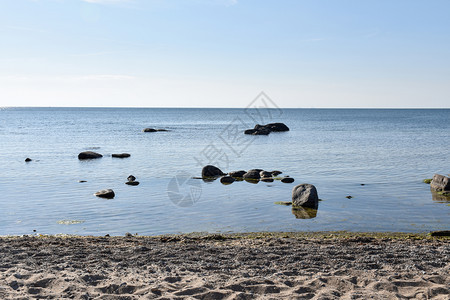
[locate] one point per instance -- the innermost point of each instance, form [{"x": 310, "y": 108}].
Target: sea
[{"x": 368, "y": 166}]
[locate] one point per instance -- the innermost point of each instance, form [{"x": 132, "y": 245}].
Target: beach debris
[
  {"x": 227, "y": 180},
  {"x": 121, "y": 155},
  {"x": 305, "y": 195},
  {"x": 211, "y": 171},
  {"x": 132, "y": 180},
  {"x": 28, "y": 159},
  {"x": 267, "y": 129},
  {"x": 440, "y": 183},
  {"x": 108, "y": 193},
  {"x": 287, "y": 180},
  {"x": 89, "y": 155}
]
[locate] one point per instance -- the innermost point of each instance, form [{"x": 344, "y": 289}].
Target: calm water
[{"x": 389, "y": 151}]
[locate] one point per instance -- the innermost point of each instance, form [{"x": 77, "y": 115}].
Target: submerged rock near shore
[
  {"x": 211, "y": 171},
  {"x": 108, "y": 194}
]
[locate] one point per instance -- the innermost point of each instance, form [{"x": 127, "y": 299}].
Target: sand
[{"x": 254, "y": 266}]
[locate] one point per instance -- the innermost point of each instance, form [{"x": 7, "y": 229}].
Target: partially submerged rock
[
  {"x": 28, "y": 159},
  {"x": 252, "y": 174},
  {"x": 237, "y": 173},
  {"x": 266, "y": 129},
  {"x": 131, "y": 178},
  {"x": 108, "y": 193},
  {"x": 121, "y": 155},
  {"x": 287, "y": 180},
  {"x": 227, "y": 180},
  {"x": 211, "y": 171},
  {"x": 132, "y": 182},
  {"x": 149, "y": 130},
  {"x": 89, "y": 155},
  {"x": 440, "y": 183},
  {"x": 305, "y": 195}
]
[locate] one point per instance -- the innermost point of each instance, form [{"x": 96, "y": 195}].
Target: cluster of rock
[
  {"x": 267, "y": 129},
  {"x": 94, "y": 155},
  {"x": 210, "y": 173}
]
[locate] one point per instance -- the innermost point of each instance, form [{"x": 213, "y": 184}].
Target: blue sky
[{"x": 223, "y": 53}]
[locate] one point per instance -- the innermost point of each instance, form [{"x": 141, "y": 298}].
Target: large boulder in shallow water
[
  {"x": 237, "y": 173},
  {"x": 305, "y": 195},
  {"x": 89, "y": 155},
  {"x": 149, "y": 130},
  {"x": 211, "y": 171},
  {"x": 440, "y": 183}
]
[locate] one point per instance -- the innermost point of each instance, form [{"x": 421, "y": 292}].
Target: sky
[{"x": 223, "y": 53}]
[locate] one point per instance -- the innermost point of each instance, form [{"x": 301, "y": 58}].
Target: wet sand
[{"x": 249, "y": 266}]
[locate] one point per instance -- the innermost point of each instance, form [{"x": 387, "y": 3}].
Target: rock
[
  {"x": 252, "y": 175},
  {"x": 121, "y": 155},
  {"x": 305, "y": 195},
  {"x": 440, "y": 233},
  {"x": 82, "y": 181},
  {"x": 349, "y": 197},
  {"x": 161, "y": 130},
  {"x": 265, "y": 174},
  {"x": 149, "y": 130},
  {"x": 132, "y": 182},
  {"x": 266, "y": 129},
  {"x": 28, "y": 159},
  {"x": 277, "y": 127},
  {"x": 131, "y": 178},
  {"x": 227, "y": 180},
  {"x": 89, "y": 155},
  {"x": 276, "y": 173},
  {"x": 440, "y": 183},
  {"x": 267, "y": 179},
  {"x": 211, "y": 171},
  {"x": 109, "y": 194},
  {"x": 287, "y": 180},
  {"x": 237, "y": 173}
]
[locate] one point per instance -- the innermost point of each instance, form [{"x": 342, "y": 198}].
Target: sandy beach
[{"x": 250, "y": 266}]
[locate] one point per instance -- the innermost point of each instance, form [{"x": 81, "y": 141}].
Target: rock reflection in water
[
  {"x": 439, "y": 197},
  {"x": 304, "y": 212}
]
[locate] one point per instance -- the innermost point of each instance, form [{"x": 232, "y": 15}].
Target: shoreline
[{"x": 268, "y": 265}]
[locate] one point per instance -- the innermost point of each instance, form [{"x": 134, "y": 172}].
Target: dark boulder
[
  {"x": 261, "y": 131},
  {"x": 132, "y": 182},
  {"x": 276, "y": 173},
  {"x": 109, "y": 194},
  {"x": 305, "y": 195},
  {"x": 89, "y": 155},
  {"x": 28, "y": 159},
  {"x": 211, "y": 171},
  {"x": 277, "y": 127},
  {"x": 440, "y": 183},
  {"x": 227, "y": 180},
  {"x": 252, "y": 175},
  {"x": 265, "y": 174},
  {"x": 237, "y": 173},
  {"x": 149, "y": 130},
  {"x": 250, "y": 131},
  {"x": 287, "y": 180},
  {"x": 267, "y": 179},
  {"x": 131, "y": 178},
  {"x": 121, "y": 155}
]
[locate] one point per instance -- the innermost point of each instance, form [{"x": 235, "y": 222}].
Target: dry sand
[{"x": 262, "y": 266}]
